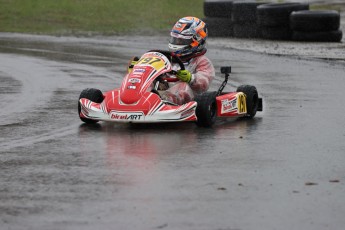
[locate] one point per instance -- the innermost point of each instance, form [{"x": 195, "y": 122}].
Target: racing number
[
  {"x": 241, "y": 100},
  {"x": 155, "y": 62},
  {"x": 149, "y": 60}
]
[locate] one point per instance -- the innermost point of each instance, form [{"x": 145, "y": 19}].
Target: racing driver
[{"x": 188, "y": 41}]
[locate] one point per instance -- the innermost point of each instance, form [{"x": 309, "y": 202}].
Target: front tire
[
  {"x": 94, "y": 95},
  {"x": 252, "y": 99},
  {"x": 206, "y": 110}
]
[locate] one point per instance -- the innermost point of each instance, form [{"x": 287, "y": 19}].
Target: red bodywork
[
  {"x": 134, "y": 101},
  {"x": 137, "y": 102}
]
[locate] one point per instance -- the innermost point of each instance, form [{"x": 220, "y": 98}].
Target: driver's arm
[{"x": 202, "y": 74}]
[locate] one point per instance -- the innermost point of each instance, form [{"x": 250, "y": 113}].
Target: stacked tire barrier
[
  {"x": 218, "y": 18},
  {"x": 322, "y": 26},
  {"x": 274, "y": 21},
  {"x": 243, "y": 18}
]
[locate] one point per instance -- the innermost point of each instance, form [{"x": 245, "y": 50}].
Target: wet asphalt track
[{"x": 282, "y": 170}]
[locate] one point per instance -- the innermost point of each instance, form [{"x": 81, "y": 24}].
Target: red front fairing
[
  {"x": 113, "y": 102},
  {"x": 141, "y": 78},
  {"x": 134, "y": 101},
  {"x": 135, "y": 84},
  {"x": 149, "y": 109}
]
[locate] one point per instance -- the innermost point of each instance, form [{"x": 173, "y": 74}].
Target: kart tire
[
  {"x": 276, "y": 33},
  {"x": 315, "y": 21},
  {"x": 323, "y": 36},
  {"x": 206, "y": 110},
  {"x": 246, "y": 31},
  {"x": 278, "y": 14},
  {"x": 218, "y": 8},
  {"x": 94, "y": 95},
  {"x": 244, "y": 12},
  {"x": 252, "y": 99},
  {"x": 219, "y": 27}
]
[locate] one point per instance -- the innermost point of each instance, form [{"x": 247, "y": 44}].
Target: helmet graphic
[{"x": 188, "y": 37}]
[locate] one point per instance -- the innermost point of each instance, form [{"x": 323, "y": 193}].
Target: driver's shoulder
[{"x": 201, "y": 61}]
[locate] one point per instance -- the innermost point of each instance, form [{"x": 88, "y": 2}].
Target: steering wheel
[{"x": 174, "y": 59}]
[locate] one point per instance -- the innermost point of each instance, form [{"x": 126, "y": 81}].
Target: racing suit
[{"x": 202, "y": 71}]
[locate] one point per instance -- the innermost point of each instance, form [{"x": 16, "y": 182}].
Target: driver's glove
[
  {"x": 131, "y": 63},
  {"x": 184, "y": 75}
]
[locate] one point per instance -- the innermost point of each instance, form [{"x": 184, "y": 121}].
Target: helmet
[{"x": 188, "y": 37}]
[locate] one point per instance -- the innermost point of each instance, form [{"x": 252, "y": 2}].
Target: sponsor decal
[
  {"x": 187, "y": 113},
  {"x": 139, "y": 76},
  {"x": 157, "y": 54},
  {"x": 126, "y": 116},
  {"x": 242, "y": 106},
  {"x": 134, "y": 80},
  {"x": 229, "y": 105},
  {"x": 139, "y": 70},
  {"x": 131, "y": 87}
]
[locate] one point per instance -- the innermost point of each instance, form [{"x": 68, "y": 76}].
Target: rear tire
[
  {"x": 252, "y": 99},
  {"x": 206, "y": 110},
  {"x": 94, "y": 95}
]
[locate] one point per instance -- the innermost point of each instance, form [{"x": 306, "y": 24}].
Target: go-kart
[{"x": 138, "y": 100}]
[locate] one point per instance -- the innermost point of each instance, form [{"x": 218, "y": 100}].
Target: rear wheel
[
  {"x": 94, "y": 95},
  {"x": 252, "y": 99},
  {"x": 206, "y": 110}
]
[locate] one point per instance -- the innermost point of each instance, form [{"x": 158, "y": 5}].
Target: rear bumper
[{"x": 260, "y": 106}]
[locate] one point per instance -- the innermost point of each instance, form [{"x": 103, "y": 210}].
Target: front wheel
[
  {"x": 206, "y": 110},
  {"x": 252, "y": 99},
  {"x": 94, "y": 95}
]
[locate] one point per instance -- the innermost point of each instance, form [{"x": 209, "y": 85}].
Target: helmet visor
[{"x": 180, "y": 41}]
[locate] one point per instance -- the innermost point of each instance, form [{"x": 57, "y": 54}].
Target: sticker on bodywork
[
  {"x": 237, "y": 104},
  {"x": 126, "y": 116},
  {"x": 241, "y": 103},
  {"x": 228, "y": 105}
]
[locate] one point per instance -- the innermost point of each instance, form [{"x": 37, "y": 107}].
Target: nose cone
[{"x": 130, "y": 96}]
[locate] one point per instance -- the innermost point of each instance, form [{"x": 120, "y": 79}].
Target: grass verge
[{"x": 101, "y": 16}]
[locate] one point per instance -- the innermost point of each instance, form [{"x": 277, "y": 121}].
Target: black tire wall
[
  {"x": 243, "y": 18},
  {"x": 244, "y": 12},
  {"x": 218, "y": 8},
  {"x": 278, "y": 14},
  {"x": 316, "y": 26},
  {"x": 322, "y": 36},
  {"x": 219, "y": 27},
  {"x": 273, "y": 21},
  {"x": 315, "y": 21},
  {"x": 218, "y": 17}
]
